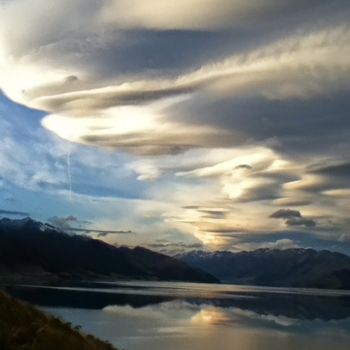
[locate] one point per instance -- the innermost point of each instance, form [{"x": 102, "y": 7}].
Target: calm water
[{"x": 186, "y": 316}]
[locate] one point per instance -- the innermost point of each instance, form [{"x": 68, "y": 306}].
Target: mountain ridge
[
  {"x": 294, "y": 267},
  {"x": 30, "y": 248}
]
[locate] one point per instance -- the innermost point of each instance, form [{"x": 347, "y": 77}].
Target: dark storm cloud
[
  {"x": 301, "y": 222},
  {"x": 336, "y": 170},
  {"x": 285, "y": 214},
  {"x": 155, "y": 52},
  {"x": 243, "y": 166},
  {"x": 71, "y": 79},
  {"x": 265, "y": 191},
  {"x": 214, "y": 214},
  {"x": 293, "y": 218},
  {"x": 168, "y": 52},
  {"x": 294, "y": 125}
]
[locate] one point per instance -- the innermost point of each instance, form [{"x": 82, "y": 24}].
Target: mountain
[
  {"x": 30, "y": 249},
  {"x": 272, "y": 267},
  {"x": 24, "y": 327}
]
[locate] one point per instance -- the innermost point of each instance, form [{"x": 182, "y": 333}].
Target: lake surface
[{"x": 188, "y": 316}]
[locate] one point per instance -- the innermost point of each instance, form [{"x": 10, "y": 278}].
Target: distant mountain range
[
  {"x": 33, "y": 251},
  {"x": 30, "y": 250},
  {"x": 271, "y": 267}
]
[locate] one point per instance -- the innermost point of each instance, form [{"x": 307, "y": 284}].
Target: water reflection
[
  {"x": 189, "y": 317},
  {"x": 323, "y": 305}
]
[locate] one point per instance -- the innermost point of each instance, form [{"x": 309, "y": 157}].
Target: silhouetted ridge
[
  {"x": 24, "y": 327},
  {"x": 30, "y": 248}
]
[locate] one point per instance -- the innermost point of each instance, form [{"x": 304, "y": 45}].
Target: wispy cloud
[
  {"x": 68, "y": 224},
  {"x": 4, "y": 212}
]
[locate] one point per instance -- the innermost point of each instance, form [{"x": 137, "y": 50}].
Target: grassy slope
[{"x": 22, "y": 327}]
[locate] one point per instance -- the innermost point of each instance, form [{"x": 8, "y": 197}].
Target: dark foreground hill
[
  {"x": 272, "y": 267},
  {"x": 30, "y": 249},
  {"x": 22, "y": 327}
]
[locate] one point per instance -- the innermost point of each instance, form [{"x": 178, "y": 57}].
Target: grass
[{"x": 23, "y": 327}]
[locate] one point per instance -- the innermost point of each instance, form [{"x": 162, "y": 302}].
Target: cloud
[
  {"x": 336, "y": 170},
  {"x": 280, "y": 244},
  {"x": 273, "y": 72},
  {"x": 173, "y": 248},
  {"x": 67, "y": 224},
  {"x": 193, "y": 14},
  {"x": 285, "y": 214},
  {"x": 91, "y": 102},
  {"x": 301, "y": 222},
  {"x": 102, "y": 233},
  {"x": 237, "y": 109},
  {"x": 293, "y": 218},
  {"x": 63, "y": 223},
  {"x": 13, "y": 212},
  {"x": 243, "y": 166},
  {"x": 213, "y": 213}
]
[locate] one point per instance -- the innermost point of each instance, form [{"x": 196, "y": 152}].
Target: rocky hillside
[{"x": 22, "y": 327}]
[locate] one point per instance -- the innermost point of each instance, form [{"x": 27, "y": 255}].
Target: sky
[{"x": 178, "y": 125}]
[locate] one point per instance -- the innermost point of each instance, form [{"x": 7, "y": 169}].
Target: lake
[{"x": 188, "y": 316}]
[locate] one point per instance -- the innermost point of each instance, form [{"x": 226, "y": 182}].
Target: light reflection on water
[{"x": 183, "y": 316}]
